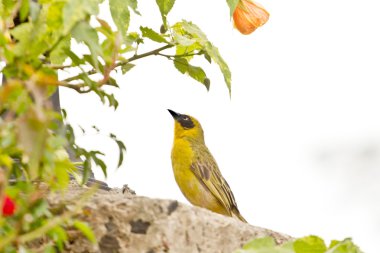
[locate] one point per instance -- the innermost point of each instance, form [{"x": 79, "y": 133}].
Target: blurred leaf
[
  {"x": 77, "y": 10},
  {"x": 59, "y": 235},
  {"x": 61, "y": 174},
  {"x": 58, "y": 54},
  {"x": 309, "y": 244},
  {"x": 122, "y": 149},
  {"x": 24, "y": 10},
  {"x": 120, "y": 15},
  {"x": 127, "y": 67},
  {"x": 96, "y": 64},
  {"x": 232, "y": 4},
  {"x": 86, "y": 230},
  {"x": 76, "y": 60},
  {"x": 100, "y": 163},
  {"x": 83, "y": 32},
  {"x": 345, "y": 246},
  {"x": 183, "y": 40},
  {"x": 32, "y": 134},
  {"x": 149, "y": 33},
  {"x": 265, "y": 245},
  {"x": 265, "y": 242},
  {"x": 5, "y": 160},
  {"x": 165, "y": 6}
]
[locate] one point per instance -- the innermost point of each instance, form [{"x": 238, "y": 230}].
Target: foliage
[
  {"x": 308, "y": 244},
  {"x": 37, "y": 41}
]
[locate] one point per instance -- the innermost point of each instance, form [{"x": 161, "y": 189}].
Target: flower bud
[{"x": 248, "y": 16}]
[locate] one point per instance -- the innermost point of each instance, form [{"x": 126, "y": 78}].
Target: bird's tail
[{"x": 236, "y": 213}]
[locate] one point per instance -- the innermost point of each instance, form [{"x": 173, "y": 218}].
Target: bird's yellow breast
[{"x": 191, "y": 187}]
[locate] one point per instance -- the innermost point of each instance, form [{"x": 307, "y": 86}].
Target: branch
[{"x": 122, "y": 63}]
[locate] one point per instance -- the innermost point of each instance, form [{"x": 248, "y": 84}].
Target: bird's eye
[{"x": 185, "y": 118}]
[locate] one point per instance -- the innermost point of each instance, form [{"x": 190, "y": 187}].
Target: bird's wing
[{"x": 206, "y": 170}]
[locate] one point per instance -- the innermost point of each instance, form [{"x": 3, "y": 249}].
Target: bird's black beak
[{"x": 174, "y": 114}]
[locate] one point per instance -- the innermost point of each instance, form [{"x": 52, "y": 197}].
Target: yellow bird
[{"x": 196, "y": 171}]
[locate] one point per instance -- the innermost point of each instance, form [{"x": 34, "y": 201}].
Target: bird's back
[{"x": 200, "y": 179}]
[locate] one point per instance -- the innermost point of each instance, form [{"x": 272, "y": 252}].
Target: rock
[{"x": 124, "y": 222}]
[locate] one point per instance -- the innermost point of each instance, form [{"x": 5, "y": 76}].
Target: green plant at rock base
[
  {"x": 308, "y": 244},
  {"x": 38, "y": 40}
]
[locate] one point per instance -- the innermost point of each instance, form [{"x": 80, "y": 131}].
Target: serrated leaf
[
  {"x": 86, "y": 230},
  {"x": 259, "y": 243},
  {"x": 232, "y": 4},
  {"x": 151, "y": 34},
  {"x": 165, "y": 6},
  {"x": 196, "y": 73},
  {"x": 309, "y": 244},
  {"x": 83, "y": 32}
]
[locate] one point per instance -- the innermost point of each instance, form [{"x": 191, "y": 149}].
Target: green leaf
[
  {"x": 76, "y": 61},
  {"x": 183, "y": 40},
  {"x": 265, "y": 245},
  {"x": 86, "y": 230},
  {"x": 24, "y": 9},
  {"x": 184, "y": 67},
  {"x": 58, "y": 55},
  {"x": 22, "y": 34},
  {"x": 122, "y": 149},
  {"x": 101, "y": 164},
  {"x": 259, "y": 243},
  {"x": 232, "y": 4},
  {"x": 151, "y": 34},
  {"x": 90, "y": 59},
  {"x": 127, "y": 67},
  {"x": 120, "y": 15},
  {"x": 165, "y": 7},
  {"x": 59, "y": 236},
  {"x": 210, "y": 49},
  {"x": 345, "y": 246},
  {"x": 213, "y": 52},
  {"x": 77, "y": 10},
  {"x": 83, "y": 32},
  {"x": 195, "y": 31},
  {"x": 61, "y": 174},
  {"x": 309, "y": 244}
]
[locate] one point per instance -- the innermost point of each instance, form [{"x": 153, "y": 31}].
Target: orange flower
[{"x": 248, "y": 16}]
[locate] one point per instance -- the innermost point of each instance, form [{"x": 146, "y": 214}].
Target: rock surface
[{"x": 130, "y": 223}]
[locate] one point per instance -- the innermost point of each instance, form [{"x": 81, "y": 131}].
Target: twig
[{"x": 122, "y": 63}]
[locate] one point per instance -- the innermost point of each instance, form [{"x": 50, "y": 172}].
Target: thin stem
[
  {"x": 122, "y": 63},
  {"x": 180, "y": 55}
]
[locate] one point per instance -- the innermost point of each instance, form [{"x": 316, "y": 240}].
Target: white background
[{"x": 298, "y": 142}]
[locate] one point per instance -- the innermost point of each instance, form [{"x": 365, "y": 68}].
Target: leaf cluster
[
  {"x": 39, "y": 40},
  {"x": 308, "y": 244}
]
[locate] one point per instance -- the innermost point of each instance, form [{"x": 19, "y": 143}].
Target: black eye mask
[{"x": 185, "y": 121}]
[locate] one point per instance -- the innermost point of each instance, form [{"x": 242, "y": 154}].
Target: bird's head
[{"x": 186, "y": 126}]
